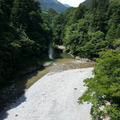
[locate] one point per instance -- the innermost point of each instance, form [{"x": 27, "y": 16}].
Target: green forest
[
  {"x": 24, "y": 36},
  {"x": 92, "y": 30}
]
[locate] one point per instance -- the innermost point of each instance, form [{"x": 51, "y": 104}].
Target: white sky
[{"x": 73, "y": 3}]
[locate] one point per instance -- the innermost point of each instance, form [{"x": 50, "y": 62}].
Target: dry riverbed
[{"x": 54, "y": 96}]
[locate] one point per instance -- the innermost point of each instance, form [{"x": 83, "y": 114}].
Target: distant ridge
[
  {"x": 87, "y": 2},
  {"x": 67, "y": 5},
  {"x": 46, "y": 4}
]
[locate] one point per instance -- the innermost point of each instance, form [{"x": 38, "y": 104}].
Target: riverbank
[
  {"x": 53, "y": 97},
  {"x": 22, "y": 81},
  {"x": 64, "y": 50}
]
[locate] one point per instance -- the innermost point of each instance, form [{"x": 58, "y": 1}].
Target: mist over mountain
[{"x": 46, "y": 4}]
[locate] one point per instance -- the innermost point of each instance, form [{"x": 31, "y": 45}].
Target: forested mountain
[
  {"x": 67, "y": 5},
  {"x": 24, "y": 37},
  {"x": 46, "y": 4},
  {"x": 87, "y": 2}
]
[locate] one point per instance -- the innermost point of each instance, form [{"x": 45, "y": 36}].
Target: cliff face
[{"x": 46, "y": 4}]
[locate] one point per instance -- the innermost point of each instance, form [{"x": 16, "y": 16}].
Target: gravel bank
[{"x": 53, "y": 97}]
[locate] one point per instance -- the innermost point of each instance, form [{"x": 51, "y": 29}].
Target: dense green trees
[
  {"x": 79, "y": 12},
  {"x": 24, "y": 36},
  {"x": 49, "y": 15},
  {"x": 101, "y": 17},
  {"x": 76, "y": 36},
  {"x": 104, "y": 89},
  {"x": 113, "y": 22},
  {"x": 81, "y": 42},
  {"x": 58, "y": 25}
]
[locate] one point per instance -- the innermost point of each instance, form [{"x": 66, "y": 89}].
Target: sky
[{"x": 73, "y": 3}]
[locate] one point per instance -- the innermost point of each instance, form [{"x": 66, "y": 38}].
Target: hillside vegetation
[
  {"x": 24, "y": 37},
  {"x": 87, "y": 30}
]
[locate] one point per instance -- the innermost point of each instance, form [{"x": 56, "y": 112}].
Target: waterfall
[{"x": 51, "y": 53}]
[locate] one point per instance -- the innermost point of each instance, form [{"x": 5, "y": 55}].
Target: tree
[
  {"x": 19, "y": 14},
  {"x": 116, "y": 44},
  {"x": 58, "y": 27},
  {"x": 113, "y": 23},
  {"x": 80, "y": 12},
  {"x": 99, "y": 12},
  {"x": 95, "y": 44},
  {"x": 24, "y": 37},
  {"x": 49, "y": 15},
  {"x": 68, "y": 15},
  {"x": 103, "y": 91},
  {"x": 76, "y": 36},
  {"x": 9, "y": 51}
]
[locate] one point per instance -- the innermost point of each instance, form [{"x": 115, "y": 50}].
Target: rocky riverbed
[{"x": 53, "y": 97}]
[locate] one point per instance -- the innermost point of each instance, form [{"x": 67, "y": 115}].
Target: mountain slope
[
  {"x": 67, "y": 5},
  {"x": 87, "y": 2},
  {"x": 46, "y": 4}
]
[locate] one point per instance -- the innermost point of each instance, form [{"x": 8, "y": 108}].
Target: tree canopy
[
  {"x": 104, "y": 89},
  {"x": 24, "y": 36}
]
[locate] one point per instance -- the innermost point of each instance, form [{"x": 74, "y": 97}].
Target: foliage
[
  {"x": 58, "y": 25},
  {"x": 116, "y": 44},
  {"x": 103, "y": 90},
  {"x": 102, "y": 28},
  {"x": 49, "y": 15},
  {"x": 95, "y": 44},
  {"x": 83, "y": 43},
  {"x": 76, "y": 35},
  {"x": 24, "y": 36},
  {"x": 79, "y": 12},
  {"x": 68, "y": 16},
  {"x": 113, "y": 23}
]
